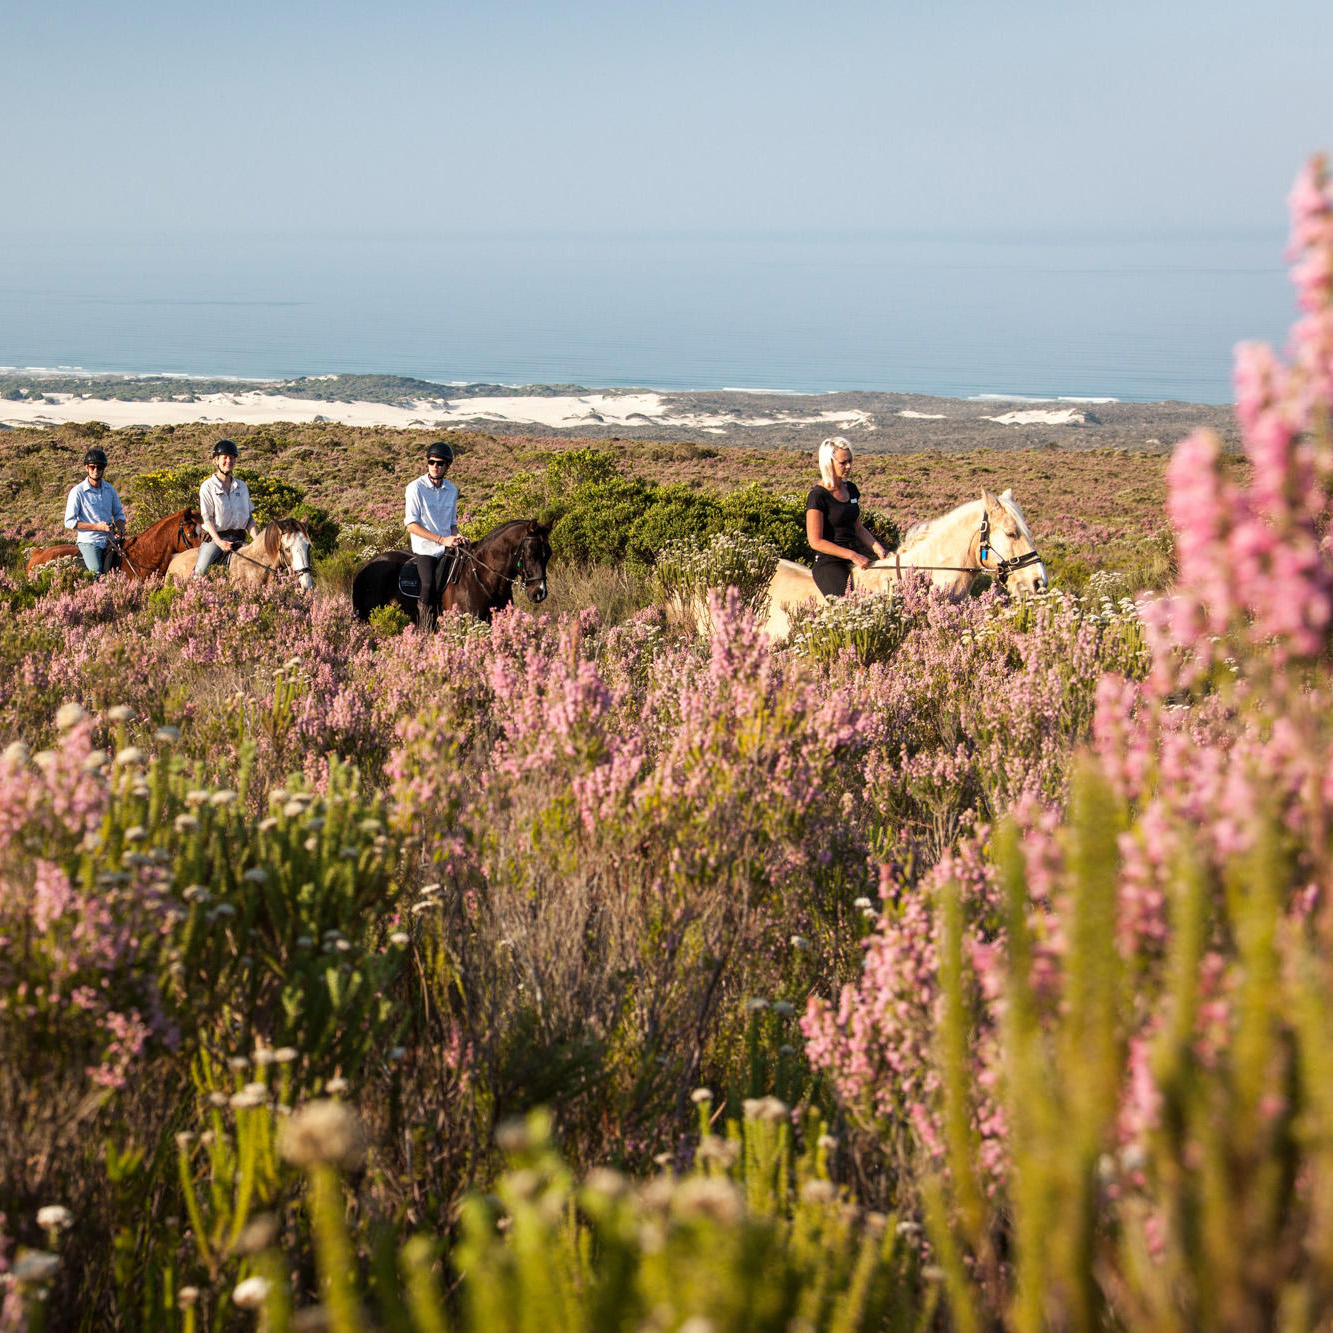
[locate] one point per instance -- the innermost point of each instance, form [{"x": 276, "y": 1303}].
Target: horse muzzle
[{"x": 537, "y": 594}]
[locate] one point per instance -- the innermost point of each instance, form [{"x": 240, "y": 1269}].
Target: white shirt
[
  {"x": 93, "y": 504},
  {"x": 435, "y": 508},
  {"x": 229, "y": 510}
]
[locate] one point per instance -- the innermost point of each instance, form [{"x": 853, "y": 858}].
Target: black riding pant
[
  {"x": 832, "y": 575},
  {"x": 433, "y": 571}
]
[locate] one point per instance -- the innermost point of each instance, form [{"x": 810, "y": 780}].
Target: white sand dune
[
  {"x": 567, "y": 412},
  {"x": 1068, "y": 417}
]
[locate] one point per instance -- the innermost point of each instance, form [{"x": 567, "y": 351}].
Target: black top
[{"x": 840, "y": 517}]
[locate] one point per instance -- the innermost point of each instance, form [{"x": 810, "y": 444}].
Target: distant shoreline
[{"x": 874, "y": 422}]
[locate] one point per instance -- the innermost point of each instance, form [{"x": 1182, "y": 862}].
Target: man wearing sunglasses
[
  {"x": 93, "y": 512},
  {"x": 432, "y": 520}
]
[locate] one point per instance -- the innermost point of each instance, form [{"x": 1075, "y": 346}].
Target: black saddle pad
[{"x": 409, "y": 580}]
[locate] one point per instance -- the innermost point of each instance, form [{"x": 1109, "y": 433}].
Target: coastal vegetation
[{"x": 958, "y": 965}]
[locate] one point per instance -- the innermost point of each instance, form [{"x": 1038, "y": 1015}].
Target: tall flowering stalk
[{"x": 1256, "y": 566}]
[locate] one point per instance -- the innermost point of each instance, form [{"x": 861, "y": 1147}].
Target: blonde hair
[{"x": 826, "y": 451}]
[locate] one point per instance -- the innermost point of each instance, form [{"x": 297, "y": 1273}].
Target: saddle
[{"x": 409, "y": 578}]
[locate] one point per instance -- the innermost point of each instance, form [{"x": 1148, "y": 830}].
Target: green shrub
[
  {"x": 778, "y": 519},
  {"x": 676, "y": 514},
  {"x": 388, "y": 621},
  {"x": 320, "y": 524}
]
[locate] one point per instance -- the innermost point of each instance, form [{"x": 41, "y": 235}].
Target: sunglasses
[
  {"x": 96, "y": 467},
  {"x": 437, "y": 462}
]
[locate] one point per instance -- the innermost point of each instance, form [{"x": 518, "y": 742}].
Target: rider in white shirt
[
  {"x": 224, "y": 503},
  {"x": 431, "y": 515},
  {"x": 93, "y": 511}
]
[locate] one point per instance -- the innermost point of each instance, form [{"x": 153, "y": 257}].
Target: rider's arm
[
  {"x": 814, "y": 534},
  {"x": 427, "y": 535},
  {"x": 871, "y": 540}
]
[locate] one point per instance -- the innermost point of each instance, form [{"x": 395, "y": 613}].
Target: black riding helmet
[
  {"x": 439, "y": 450},
  {"x": 225, "y": 447},
  {"x": 97, "y": 456}
]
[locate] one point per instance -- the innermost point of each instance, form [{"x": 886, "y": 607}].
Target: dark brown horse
[
  {"x": 515, "y": 552},
  {"x": 148, "y": 553}
]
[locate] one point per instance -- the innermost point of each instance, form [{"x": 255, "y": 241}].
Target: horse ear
[{"x": 1007, "y": 493}]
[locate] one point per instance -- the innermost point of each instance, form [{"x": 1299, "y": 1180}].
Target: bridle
[
  {"x": 284, "y": 561},
  {"x": 183, "y": 534},
  {"x": 999, "y": 571},
  {"x": 519, "y": 576}
]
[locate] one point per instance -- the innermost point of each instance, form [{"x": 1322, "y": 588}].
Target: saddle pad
[{"x": 409, "y": 580}]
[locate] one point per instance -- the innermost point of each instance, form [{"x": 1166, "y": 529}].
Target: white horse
[
  {"x": 985, "y": 536},
  {"x": 282, "y": 545}
]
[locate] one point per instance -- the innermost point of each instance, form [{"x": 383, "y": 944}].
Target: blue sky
[{"x": 587, "y": 116}]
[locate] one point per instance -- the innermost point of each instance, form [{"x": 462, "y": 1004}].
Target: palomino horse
[
  {"x": 515, "y": 552},
  {"x": 148, "y": 553},
  {"x": 985, "y": 536},
  {"x": 281, "y": 547}
]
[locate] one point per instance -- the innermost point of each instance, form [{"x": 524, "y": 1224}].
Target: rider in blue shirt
[
  {"x": 93, "y": 512},
  {"x": 431, "y": 515}
]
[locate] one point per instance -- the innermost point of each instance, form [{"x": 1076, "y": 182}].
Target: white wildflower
[
  {"x": 55, "y": 1217},
  {"x": 136, "y": 833},
  {"x": 323, "y": 1131},
  {"x": 783, "y": 1008},
  {"x": 92, "y": 761},
  {"x": 337, "y": 1085},
  {"x": 284, "y": 1055},
  {"x": 255, "y": 875},
  {"x": 701, "y": 1095},
  {"x": 186, "y": 824},
  {"x": 120, "y": 713},
  {"x": 251, "y": 1293},
  {"x": 69, "y": 715},
  {"x": 167, "y": 735},
  {"x": 131, "y": 754},
  {"x": 400, "y": 938},
  {"x": 223, "y": 797}
]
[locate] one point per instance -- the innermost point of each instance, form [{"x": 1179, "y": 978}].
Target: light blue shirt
[
  {"x": 435, "y": 508},
  {"x": 93, "y": 504}
]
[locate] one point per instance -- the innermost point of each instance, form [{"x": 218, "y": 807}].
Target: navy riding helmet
[
  {"x": 97, "y": 456},
  {"x": 225, "y": 447},
  {"x": 439, "y": 450}
]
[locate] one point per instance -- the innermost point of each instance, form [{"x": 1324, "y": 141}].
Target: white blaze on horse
[
  {"x": 985, "y": 536},
  {"x": 280, "y": 548}
]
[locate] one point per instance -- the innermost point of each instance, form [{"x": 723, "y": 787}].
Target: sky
[{"x": 585, "y": 116}]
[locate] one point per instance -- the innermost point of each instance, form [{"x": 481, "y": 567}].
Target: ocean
[{"x": 1138, "y": 317}]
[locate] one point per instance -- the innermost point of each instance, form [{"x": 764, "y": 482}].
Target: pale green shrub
[{"x": 687, "y": 572}]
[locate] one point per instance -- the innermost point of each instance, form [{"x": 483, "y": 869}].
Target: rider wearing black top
[{"x": 833, "y": 520}]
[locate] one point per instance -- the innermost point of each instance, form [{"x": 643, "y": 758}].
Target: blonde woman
[{"x": 833, "y": 524}]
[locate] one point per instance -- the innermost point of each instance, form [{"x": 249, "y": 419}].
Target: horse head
[
  {"x": 534, "y": 553},
  {"x": 292, "y": 542},
  {"x": 190, "y": 534},
  {"x": 1005, "y": 548}
]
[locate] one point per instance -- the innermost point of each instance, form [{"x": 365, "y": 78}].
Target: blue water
[{"x": 1141, "y": 318}]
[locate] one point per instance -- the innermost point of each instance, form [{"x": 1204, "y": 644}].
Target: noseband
[{"x": 1001, "y": 570}]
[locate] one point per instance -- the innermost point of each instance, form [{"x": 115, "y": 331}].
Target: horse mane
[
  {"x": 918, "y": 532},
  {"x": 501, "y": 528},
  {"x": 272, "y": 533},
  {"x": 162, "y": 524}
]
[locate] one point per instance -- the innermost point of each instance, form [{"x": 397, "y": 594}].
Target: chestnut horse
[
  {"x": 515, "y": 552},
  {"x": 147, "y": 553}
]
